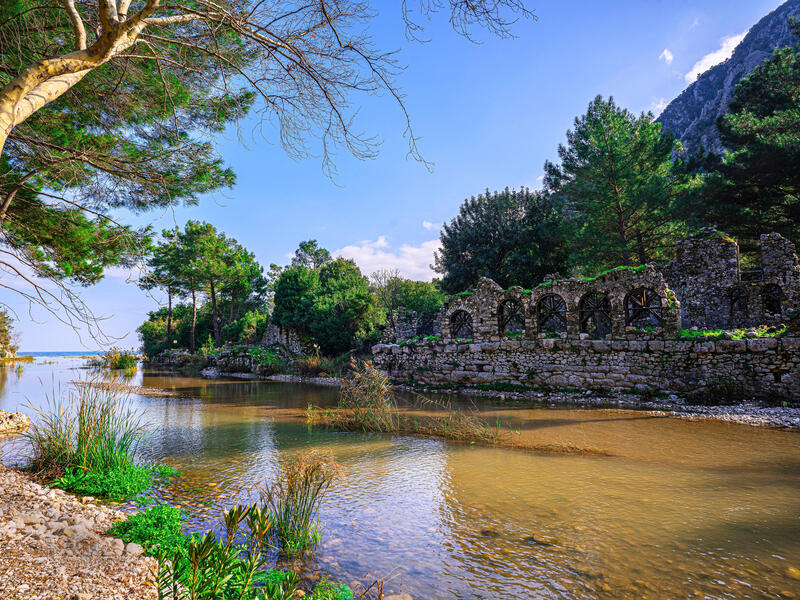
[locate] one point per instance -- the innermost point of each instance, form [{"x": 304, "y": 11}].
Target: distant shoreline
[{"x": 65, "y": 353}]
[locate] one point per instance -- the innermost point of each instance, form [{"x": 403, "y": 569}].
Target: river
[{"x": 677, "y": 509}]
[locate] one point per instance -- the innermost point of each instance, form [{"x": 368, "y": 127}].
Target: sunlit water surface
[{"x": 681, "y": 509}]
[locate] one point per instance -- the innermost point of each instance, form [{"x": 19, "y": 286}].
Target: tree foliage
[
  {"x": 331, "y": 305},
  {"x": 515, "y": 237},
  {"x": 111, "y": 103},
  {"x": 755, "y": 187},
  {"x": 393, "y": 292},
  {"x": 202, "y": 263},
  {"x": 623, "y": 182}
]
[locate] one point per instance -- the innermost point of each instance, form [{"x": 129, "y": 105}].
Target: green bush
[
  {"x": 116, "y": 483},
  {"x": 202, "y": 567},
  {"x": 160, "y": 526}
]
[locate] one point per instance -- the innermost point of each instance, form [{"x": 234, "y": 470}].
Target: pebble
[{"x": 50, "y": 540}]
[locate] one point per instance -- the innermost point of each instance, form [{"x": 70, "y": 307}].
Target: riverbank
[
  {"x": 748, "y": 413},
  {"x": 54, "y": 546}
]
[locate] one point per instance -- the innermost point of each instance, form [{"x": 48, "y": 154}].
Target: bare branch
[{"x": 77, "y": 24}]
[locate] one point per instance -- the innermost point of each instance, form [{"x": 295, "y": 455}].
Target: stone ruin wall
[
  {"x": 619, "y": 331},
  {"x": 766, "y": 367},
  {"x": 275, "y": 335},
  {"x": 716, "y": 294}
]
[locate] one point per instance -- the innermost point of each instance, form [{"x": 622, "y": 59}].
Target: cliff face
[{"x": 692, "y": 116}]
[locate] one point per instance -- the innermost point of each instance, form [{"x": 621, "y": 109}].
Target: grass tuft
[
  {"x": 293, "y": 500},
  {"x": 87, "y": 441}
]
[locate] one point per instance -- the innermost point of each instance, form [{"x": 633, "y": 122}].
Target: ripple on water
[{"x": 682, "y": 509}]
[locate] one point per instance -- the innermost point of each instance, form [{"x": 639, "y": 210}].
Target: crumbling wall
[
  {"x": 607, "y": 306},
  {"x": 403, "y": 325},
  {"x": 283, "y": 336},
  {"x": 716, "y": 294},
  {"x": 765, "y": 367}
]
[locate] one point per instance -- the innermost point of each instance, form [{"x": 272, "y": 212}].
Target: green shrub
[
  {"x": 160, "y": 526},
  {"x": 202, "y": 567},
  {"x": 118, "y": 359}
]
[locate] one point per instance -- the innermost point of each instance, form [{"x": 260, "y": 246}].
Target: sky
[{"x": 489, "y": 115}]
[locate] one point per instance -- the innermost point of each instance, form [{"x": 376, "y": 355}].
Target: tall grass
[
  {"x": 86, "y": 441},
  {"x": 367, "y": 400},
  {"x": 293, "y": 500},
  {"x": 89, "y": 428}
]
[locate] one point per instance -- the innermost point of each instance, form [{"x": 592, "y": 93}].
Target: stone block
[
  {"x": 730, "y": 346},
  {"x": 762, "y": 344}
]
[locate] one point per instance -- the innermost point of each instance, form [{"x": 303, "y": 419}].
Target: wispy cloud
[
  {"x": 413, "y": 262},
  {"x": 431, "y": 226},
  {"x": 727, "y": 46},
  {"x": 666, "y": 56},
  {"x": 657, "y": 106}
]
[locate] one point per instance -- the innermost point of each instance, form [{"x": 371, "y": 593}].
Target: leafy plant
[
  {"x": 160, "y": 526},
  {"x": 118, "y": 359}
]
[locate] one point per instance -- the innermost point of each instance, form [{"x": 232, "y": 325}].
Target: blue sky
[{"x": 488, "y": 115}]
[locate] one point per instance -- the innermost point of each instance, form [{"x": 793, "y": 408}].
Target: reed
[
  {"x": 86, "y": 441},
  {"x": 366, "y": 401},
  {"x": 293, "y": 500}
]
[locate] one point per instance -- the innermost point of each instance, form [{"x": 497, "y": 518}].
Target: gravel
[{"x": 52, "y": 545}]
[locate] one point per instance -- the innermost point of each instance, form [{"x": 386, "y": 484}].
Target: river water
[{"x": 678, "y": 509}]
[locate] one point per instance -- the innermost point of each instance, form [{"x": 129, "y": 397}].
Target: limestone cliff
[{"x": 692, "y": 116}]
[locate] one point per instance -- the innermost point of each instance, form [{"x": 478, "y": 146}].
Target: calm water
[{"x": 681, "y": 510}]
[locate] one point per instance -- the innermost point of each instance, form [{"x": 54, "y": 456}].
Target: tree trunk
[
  {"x": 640, "y": 248},
  {"x": 169, "y": 315},
  {"x": 194, "y": 321},
  {"x": 214, "y": 316},
  {"x": 626, "y": 253}
]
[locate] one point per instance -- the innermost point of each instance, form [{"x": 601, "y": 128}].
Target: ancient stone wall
[
  {"x": 275, "y": 335},
  {"x": 403, "y": 325},
  {"x": 610, "y": 305},
  {"x": 716, "y": 294},
  {"x": 765, "y": 367}
]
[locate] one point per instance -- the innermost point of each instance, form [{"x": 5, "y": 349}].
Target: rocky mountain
[{"x": 692, "y": 116}]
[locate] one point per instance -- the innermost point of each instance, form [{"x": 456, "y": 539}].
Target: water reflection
[{"x": 681, "y": 509}]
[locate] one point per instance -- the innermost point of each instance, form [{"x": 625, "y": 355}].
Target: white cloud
[
  {"x": 413, "y": 262},
  {"x": 431, "y": 226},
  {"x": 727, "y": 46},
  {"x": 695, "y": 23},
  {"x": 657, "y": 106},
  {"x": 666, "y": 56}
]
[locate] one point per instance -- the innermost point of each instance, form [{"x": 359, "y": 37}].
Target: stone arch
[
  {"x": 461, "y": 325},
  {"x": 739, "y": 304},
  {"x": 772, "y": 298},
  {"x": 643, "y": 308},
  {"x": 551, "y": 314},
  {"x": 594, "y": 312},
  {"x": 510, "y": 317}
]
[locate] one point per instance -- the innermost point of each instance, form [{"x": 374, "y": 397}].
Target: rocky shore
[
  {"x": 747, "y": 413},
  {"x": 53, "y": 545},
  {"x": 13, "y": 422}
]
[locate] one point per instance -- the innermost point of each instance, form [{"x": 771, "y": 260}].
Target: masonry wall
[
  {"x": 765, "y": 367},
  {"x": 715, "y": 293}
]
